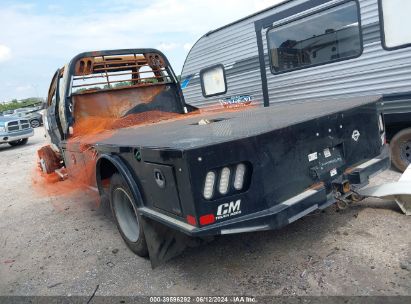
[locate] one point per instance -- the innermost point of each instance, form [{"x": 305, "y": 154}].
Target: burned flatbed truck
[{"x": 175, "y": 171}]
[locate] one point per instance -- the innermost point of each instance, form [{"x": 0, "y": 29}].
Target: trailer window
[
  {"x": 395, "y": 23},
  {"x": 213, "y": 81},
  {"x": 327, "y": 36},
  {"x": 61, "y": 104}
]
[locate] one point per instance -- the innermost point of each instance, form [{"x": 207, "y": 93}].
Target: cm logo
[{"x": 229, "y": 208}]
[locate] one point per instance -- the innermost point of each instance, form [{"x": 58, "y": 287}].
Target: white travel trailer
[{"x": 310, "y": 49}]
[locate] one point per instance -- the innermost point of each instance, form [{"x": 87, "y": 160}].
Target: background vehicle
[
  {"x": 311, "y": 49},
  {"x": 14, "y": 131},
  {"x": 118, "y": 121},
  {"x": 17, "y": 112}
]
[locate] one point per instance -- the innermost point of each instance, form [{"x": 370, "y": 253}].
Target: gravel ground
[{"x": 63, "y": 246}]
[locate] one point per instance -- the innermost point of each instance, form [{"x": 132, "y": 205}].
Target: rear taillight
[
  {"x": 381, "y": 123},
  {"x": 381, "y": 128},
  {"x": 227, "y": 180},
  {"x": 191, "y": 220},
  {"x": 207, "y": 219},
  {"x": 239, "y": 177},
  {"x": 209, "y": 185}
]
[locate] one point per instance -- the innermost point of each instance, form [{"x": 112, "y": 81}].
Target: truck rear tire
[
  {"x": 35, "y": 123},
  {"x": 19, "y": 142},
  {"x": 400, "y": 147},
  {"x": 128, "y": 221}
]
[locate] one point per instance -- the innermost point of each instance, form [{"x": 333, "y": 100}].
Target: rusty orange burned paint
[
  {"x": 51, "y": 185},
  {"x": 97, "y": 116}
]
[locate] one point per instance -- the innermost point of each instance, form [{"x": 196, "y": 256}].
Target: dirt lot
[{"x": 63, "y": 246}]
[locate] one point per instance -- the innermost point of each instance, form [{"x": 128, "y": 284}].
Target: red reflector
[
  {"x": 207, "y": 219},
  {"x": 191, "y": 220}
]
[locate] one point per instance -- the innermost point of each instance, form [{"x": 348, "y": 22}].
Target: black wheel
[
  {"x": 401, "y": 149},
  {"x": 35, "y": 123},
  {"x": 19, "y": 142},
  {"x": 49, "y": 161},
  {"x": 128, "y": 221}
]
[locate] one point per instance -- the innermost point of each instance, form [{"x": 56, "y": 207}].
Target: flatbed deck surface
[{"x": 186, "y": 134}]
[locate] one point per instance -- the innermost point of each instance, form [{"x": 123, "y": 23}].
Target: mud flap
[
  {"x": 163, "y": 243},
  {"x": 399, "y": 191}
]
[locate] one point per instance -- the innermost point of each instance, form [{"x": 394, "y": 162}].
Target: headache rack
[{"x": 99, "y": 73}]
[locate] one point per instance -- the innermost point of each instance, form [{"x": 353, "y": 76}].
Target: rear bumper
[
  {"x": 39, "y": 119},
  {"x": 8, "y": 137},
  {"x": 284, "y": 213}
]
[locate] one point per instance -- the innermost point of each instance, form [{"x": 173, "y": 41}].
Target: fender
[
  {"x": 163, "y": 242},
  {"x": 125, "y": 173},
  {"x": 399, "y": 191}
]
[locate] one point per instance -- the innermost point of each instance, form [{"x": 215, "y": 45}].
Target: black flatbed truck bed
[
  {"x": 237, "y": 171},
  {"x": 275, "y": 143}
]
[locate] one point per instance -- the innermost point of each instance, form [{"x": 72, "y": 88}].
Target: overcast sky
[{"x": 37, "y": 37}]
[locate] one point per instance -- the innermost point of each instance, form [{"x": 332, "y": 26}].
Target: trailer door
[
  {"x": 308, "y": 35},
  {"x": 395, "y": 23},
  {"x": 51, "y": 117}
]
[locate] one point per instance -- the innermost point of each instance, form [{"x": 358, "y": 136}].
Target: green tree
[{"x": 28, "y": 102}]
